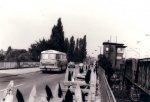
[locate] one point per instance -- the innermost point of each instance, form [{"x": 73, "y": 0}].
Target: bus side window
[
  {"x": 63, "y": 57},
  {"x": 57, "y": 56}
]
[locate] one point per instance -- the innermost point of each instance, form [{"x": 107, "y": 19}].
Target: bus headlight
[
  {"x": 55, "y": 64},
  {"x": 41, "y": 63}
]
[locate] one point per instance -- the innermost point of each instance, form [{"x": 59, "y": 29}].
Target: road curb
[
  {"x": 10, "y": 75},
  {"x": 7, "y": 76},
  {"x": 17, "y": 68}
]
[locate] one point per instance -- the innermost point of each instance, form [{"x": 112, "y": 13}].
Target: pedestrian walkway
[{"x": 11, "y": 72}]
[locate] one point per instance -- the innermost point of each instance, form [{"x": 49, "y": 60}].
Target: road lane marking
[
  {"x": 18, "y": 85},
  {"x": 14, "y": 86}
]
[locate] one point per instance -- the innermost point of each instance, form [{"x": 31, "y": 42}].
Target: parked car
[{"x": 71, "y": 65}]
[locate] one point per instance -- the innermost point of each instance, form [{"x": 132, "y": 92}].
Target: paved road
[{"x": 25, "y": 82}]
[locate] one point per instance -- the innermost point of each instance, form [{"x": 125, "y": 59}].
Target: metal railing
[{"x": 105, "y": 90}]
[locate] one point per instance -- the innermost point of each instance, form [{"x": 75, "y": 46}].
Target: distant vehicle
[
  {"x": 81, "y": 64},
  {"x": 71, "y": 65},
  {"x": 52, "y": 60}
]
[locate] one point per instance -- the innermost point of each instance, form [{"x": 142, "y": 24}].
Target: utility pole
[{"x": 100, "y": 49}]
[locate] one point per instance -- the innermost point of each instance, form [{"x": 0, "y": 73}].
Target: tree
[
  {"x": 56, "y": 42},
  {"x": 71, "y": 49},
  {"x": 76, "y": 51},
  {"x": 106, "y": 64},
  {"x": 36, "y": 48},
  {"x": 61, "y": 34},
  {"x": 57, "y": 37},
  {"x": 80, "y": 49},
  {"x": 24, "y": 57},
  {"x": 43, "y": 44},
  {"x": 35, "y": 51},
  {"x": 8, "y": 50},
  {"x": 14, "y": 54},
  {"x": 84, "y": 48},
  {"x": 66, "y": 45},
  {"x": 83, "y": 51},
  {"x": 2, "y": 57}
]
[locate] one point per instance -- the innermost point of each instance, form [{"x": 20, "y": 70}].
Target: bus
[{"x": 52, "y": 60}]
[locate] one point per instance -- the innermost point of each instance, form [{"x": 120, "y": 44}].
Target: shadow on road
[{"x": 53, "y": 72}]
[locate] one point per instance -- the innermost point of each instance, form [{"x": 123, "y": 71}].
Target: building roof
[
  {"x": 117, "y": 44},
  {"x": 144, "y": 59},
  {"x": 53, "y": 51}
]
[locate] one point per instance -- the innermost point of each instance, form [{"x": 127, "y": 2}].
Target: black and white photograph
[{"x": 74, "y": 51}]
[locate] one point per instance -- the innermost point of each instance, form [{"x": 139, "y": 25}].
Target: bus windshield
[
  {"x": 46, "y": 56},
  {"x": 52, "y": 56}
]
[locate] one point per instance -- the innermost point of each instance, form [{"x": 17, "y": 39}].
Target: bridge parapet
[
  {"x": 137, "y": 78},
  {"x": 105, "y": 90},
  {"x": 138, "y": 72}
]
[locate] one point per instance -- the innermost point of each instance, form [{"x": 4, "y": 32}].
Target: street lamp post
[{"x": 100, "y": 49}]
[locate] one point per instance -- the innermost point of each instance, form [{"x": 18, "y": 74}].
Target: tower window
[{"x": 107, "y": 49}]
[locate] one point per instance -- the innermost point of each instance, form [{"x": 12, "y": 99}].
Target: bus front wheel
[{"x": 61, "y": 68}]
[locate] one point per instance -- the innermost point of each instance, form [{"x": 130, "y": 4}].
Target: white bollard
[
  {"x": 8, "y": 98},
  {"x": 56, "y": 91},
  {"x": 66, "y": 74},
  {"x": 8, "y": 93},
  {"x": 78, "y": 94},
  {"x": 89, "y": 97},
  {"x": 73, "y": 77},
  {"x": 93, "y": 77},
  {"x": 56, "y": 98},
  {"x": 33, "y": 95},
  {"x": 41, "y": 99}
]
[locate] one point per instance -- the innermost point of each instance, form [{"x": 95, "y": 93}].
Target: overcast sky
[{"x": 23, "y": 22}]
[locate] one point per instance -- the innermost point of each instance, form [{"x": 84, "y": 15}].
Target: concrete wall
[{"x": 7, "y": 65}]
